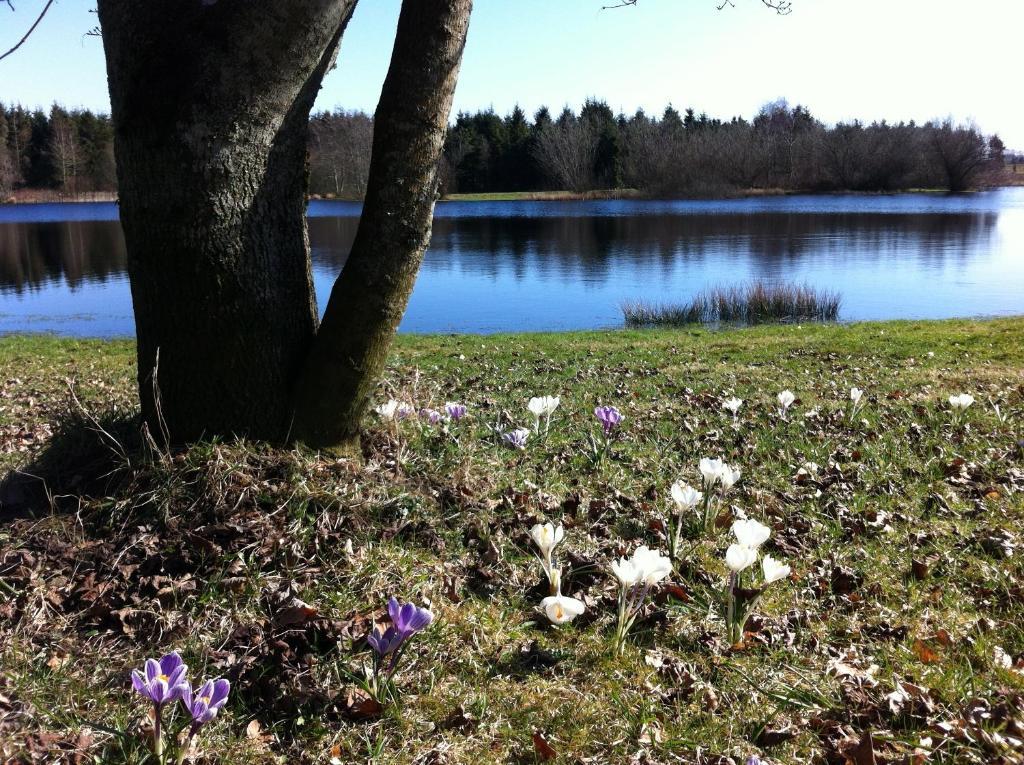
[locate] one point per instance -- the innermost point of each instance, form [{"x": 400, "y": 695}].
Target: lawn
[{"x": 897, "y": 637}]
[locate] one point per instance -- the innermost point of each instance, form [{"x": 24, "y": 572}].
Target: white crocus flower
[
  {"x": 732, "y": 405},
  {"x": 751, "y": 533},
  {"x": 786, "y": 399},
  {"x": 561, "y": 609},
  {"x": 728, "y": 477},
  {"x": 646, "y": 567},
  {"x": 685, "y": 496},
  {"x": 739, "y": 557},
  {"x": 961, "y": 401},
  {"x": 710, "y": 470},
  {"x": 855, "y": 395},
  {"x": 653, "y": 566},
  {"x": 546, "y": 536},
  {"x": 555, "y": 579},
  {"x": 387, "y": 410},
  {"x": 773, "y": 570},
  {"x": 627, "y": 572},
  {"x": 542, "y": 406}
]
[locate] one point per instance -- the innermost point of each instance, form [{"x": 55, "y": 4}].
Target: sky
[{"x": 844, "y": 59}]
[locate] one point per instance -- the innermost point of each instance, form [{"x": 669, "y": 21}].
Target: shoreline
[
  {"x": 539, "y": 196},
  {"x": 715, "y": 329}
]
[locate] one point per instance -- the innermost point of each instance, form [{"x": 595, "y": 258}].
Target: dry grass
[{"x": 903, "y": 618}]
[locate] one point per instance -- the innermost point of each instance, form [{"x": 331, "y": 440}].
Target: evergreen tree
[
  {"x": 608, "y": 162},
  {"x": 670, "y": 120}
]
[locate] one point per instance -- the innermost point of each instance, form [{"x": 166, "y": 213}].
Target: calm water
[{"x": 568, "y": 265}]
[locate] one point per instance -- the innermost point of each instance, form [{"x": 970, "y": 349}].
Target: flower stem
[
  {"x": 183, "y": 753},
  {"x": 730, "y": 615},
  {"x": 158, "y": 738}
]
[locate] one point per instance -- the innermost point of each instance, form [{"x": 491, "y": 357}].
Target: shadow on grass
[{"x": 87, "y": 457}]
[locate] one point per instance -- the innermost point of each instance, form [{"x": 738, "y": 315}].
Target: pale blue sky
[{"x": 873, "y": 59}]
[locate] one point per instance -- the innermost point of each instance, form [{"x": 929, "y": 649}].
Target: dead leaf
[
  {"x": 863, "y": 753},
  {"x": 925, "y": 654},
  {"x": 918, "y": 569},
  {"x": 651, "y": 733},
  {"x": 296, "y": 613},
  {"x": 769, "y": 737},
  {"x": 460, "y": 720},
  {"x": 543, "y": 749},
  {"x": 359, "y": 705}
]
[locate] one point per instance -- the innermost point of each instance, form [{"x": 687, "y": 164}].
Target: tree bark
[
  {"x": 370, "y": 296},
  {"x": 210, "y": 102}
]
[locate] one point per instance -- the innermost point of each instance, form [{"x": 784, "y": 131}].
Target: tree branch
[
  {"x": 31, "y": 29},
  {"x": 782, "y": 7}
]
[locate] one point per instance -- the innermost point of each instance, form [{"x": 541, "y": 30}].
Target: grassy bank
[
  {"x": 544, "y": 196},
  {"x": 40, "y": 196},
  {"x": 563, "y": 196},
  {"x": 899, "y": 635}
]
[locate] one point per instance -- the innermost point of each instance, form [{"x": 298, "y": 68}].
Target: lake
[{"x": 514, "y": 266}]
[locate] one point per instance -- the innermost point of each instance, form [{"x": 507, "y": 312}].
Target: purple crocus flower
[
  {"x": 455, "y": 411},
  {"x": 384, "y": 641},
  {"x": 404, "y": 412},
  {"x": 408, "y": 619},
  {"x": 161, "y": 681},
  {"x": 205, "y": 703},
  {"x": 516, "y": 438},
  {"x": 430, "y": 415},
  {"x": 609, "y": 417}
]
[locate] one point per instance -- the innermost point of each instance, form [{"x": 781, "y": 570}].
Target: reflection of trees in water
[
  {"x": 33, "y": 255},
  {"x": 578, "y": 248},
  {"x": 595, "y": 248}
]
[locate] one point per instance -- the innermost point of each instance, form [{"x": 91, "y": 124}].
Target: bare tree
[
  {"x": 566, "y": 150},
  {"x": 960, "y": 151},
  {"x": 339, "y": 153},
  {"x": 63, "y": 150},
  {"x": 6, "y": 173}
]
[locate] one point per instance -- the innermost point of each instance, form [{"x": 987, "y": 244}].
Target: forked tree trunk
[
  {"x": 210, "y": 104},
  {"x": 370, "y": 296}
]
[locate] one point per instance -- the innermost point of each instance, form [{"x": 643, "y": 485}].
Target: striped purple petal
[
  {"x": 138, "y": 681},
  {"x": 170, "y": 662},
  {"x": 221, "y": 688}
]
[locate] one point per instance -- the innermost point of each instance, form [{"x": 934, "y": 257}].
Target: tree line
[
  {"x": 69, "y": 151},
  {"x": 674, "y": 154}
]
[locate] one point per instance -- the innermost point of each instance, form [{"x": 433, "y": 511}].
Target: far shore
[{"x": 45, "y": 196}]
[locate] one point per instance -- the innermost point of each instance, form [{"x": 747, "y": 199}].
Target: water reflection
[
  {"x": 77, "y": 254},
  {"x": 511, "y": 266}
]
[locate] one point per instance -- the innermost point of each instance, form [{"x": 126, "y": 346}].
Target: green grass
[
  {"x": 898, "y": 544},
  {"x": 537, "y": 196}
]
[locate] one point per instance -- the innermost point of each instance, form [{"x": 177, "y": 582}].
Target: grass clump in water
[{"x": 757, "y": 302}]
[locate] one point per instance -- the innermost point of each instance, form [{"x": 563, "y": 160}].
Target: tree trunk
[
  {"x": 370, "y": 296},
  {"x": 210, "y": 103}
]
